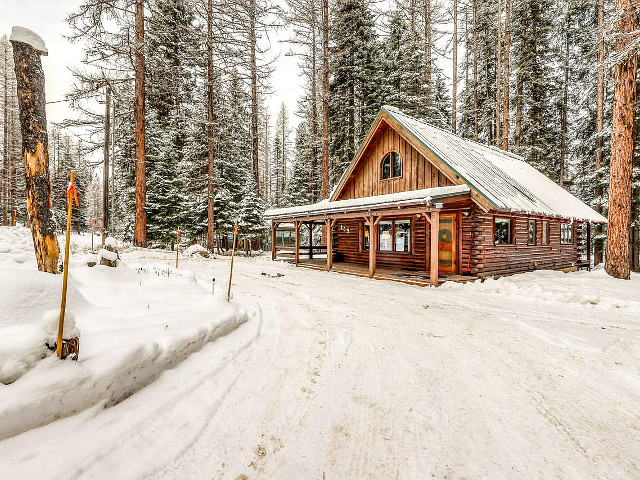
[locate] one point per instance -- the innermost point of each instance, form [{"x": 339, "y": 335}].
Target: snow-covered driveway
[{"x": 535, "y": 376}]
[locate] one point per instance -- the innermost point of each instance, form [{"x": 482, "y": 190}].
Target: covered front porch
[{"x": 386, "y": 236}]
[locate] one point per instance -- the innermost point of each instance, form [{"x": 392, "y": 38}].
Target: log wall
[
  {"x": 475, "y": 238},
  {"x": 417, "y": 171}
]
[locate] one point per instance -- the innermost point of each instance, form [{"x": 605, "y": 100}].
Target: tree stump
[{"x": 27, "y": 48}]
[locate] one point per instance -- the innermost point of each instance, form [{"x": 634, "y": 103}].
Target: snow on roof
[
  {"x": 416, "y": 196},
  {"x": 504, "y": 179},
  {"x": 24, "y": 35}
]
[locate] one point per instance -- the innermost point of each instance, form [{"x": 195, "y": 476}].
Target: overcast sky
[{"x": 47, "y": 19}]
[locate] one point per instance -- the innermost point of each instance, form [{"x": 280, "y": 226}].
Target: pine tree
[{"x": 354, "y": 90}]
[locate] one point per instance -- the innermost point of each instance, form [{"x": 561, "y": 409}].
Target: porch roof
[{"x": 424, "y": 197}]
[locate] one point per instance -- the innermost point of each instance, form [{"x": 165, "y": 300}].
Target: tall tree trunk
[
  {"x": 210, "y": 146},
  {"x": 475, "y": 71},
  {"x": 622, "y": 146},
  {"x": 5, "y": 142},
  {"x": 314, "y": 107},
  {"x": 505, "y": 100},
  {"x": 254, "y": 94},
  {"x": 565, "y": 108},
  {"x": 498, "y": 74},
  {"x": 105, "y": 165},
  {"x": 598, "y": 244},
  {"x": 35, "y": 151},
  {"x": 427, "y": 52},
  {"x": 454, "y": 87},
  {"x": 519, "y": 87},
  {"x": 325, "y": 99},
  {"x": 140, "y": 226}
]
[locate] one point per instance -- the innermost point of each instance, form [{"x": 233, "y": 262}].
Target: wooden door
[{"x": 447, "y": 244}]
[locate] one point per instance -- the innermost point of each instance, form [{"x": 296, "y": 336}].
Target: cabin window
[
  {"x": 386, "y": 237},
  {"x": 532, "y": 233},
  {"x": 391, "y": 165},
  {"x": 366, "y": 238},
  {"x": 502, "y": 231},
  {"x": 545, "y": 232},
  {"x": 566, "y": 233},
  {"x": 402, "y": 231}
]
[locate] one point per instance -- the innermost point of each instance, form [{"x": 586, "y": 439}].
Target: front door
[{"x": 447, "y": 241}]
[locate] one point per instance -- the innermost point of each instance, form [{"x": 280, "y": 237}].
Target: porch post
[
  {"x": 274, "y": 226},
  {"x": 589, "y": 245},
  {"x": 329, "y": 226},
  {"x": 435, "y": 228},
  {"x": 310, "y": 240},
  {"x": 373, "y": 244},
  {"x": 297, "y": 227},
  {"x": 427, "y": 241}
]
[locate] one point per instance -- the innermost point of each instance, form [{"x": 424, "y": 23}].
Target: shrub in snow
[{"x": 197, "y": 249}]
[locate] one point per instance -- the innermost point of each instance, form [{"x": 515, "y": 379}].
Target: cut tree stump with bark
[{"x": 27, "y": 48}]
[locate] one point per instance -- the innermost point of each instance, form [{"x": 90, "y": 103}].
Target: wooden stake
[
  {"x": 177, "y": 246},
  {"x": 233, "y": 251},
  {"x": 65, "y": 274}
]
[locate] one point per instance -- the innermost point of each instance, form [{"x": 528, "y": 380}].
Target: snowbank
[{"x": 135, "y": 323}]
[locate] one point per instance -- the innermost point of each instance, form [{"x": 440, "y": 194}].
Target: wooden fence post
[{"x": 27, "y": 48}]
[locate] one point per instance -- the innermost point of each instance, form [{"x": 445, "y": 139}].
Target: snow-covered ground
[{"x": 337, "y": 377}]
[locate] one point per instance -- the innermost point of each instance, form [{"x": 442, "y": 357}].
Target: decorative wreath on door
[{"x": 445, "y": 236}]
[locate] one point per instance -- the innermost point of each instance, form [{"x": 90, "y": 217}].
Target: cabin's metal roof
[
  {"x": 423, "y": 196},
  {"x": 505, "y": 180}
]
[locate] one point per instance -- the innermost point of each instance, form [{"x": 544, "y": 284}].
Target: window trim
[
  {"x": 571, "y": 232},
  {"x": 533, "y": 242},
  {"x": 393, "y": 221},
  {"x": 511, "y": 232},
  {"x": 384, "y": 157}
]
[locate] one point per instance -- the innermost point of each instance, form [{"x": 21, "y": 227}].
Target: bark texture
[
  {"x": 140, "y": 226},
  {"x": 210, "y": 146},
  {"x": 35, "y": 151},
  {"x": 622, "y": 145},
  {"x": 325, "y": 99},
  {"x": 597, "y": 246}
]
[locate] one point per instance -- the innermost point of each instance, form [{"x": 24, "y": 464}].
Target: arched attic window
[{"x": 391, "y": 165}]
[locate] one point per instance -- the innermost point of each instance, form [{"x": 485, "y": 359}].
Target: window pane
[
  {"x": 502, "y": 231},
  {"x": 566, "y": 233},
  {"x": 386, "y": 242},
  {"x": 545, "y": 233},
  {"x": 386, "y": 167},
  {"x": 366, "y": 238},
  {"x": 397, "y": 165},
  {"x": 532, "y": 232},
  {"x": 402, "y": 233}
]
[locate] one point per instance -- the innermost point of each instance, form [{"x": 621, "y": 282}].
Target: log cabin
[{"x": 417, "y": 197}]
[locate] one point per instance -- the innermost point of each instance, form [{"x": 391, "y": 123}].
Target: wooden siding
[
  {"x": 476, "y": 237},
  {"x": 489, "y": 259},
  {"x": 417, "y": 171}
]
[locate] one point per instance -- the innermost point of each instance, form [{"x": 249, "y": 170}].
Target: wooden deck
[{"x": 382, "y": 273}]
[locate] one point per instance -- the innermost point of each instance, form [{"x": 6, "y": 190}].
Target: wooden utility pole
[
  {"x": 210, "y": 119},
  {"x": 498, "y": 74},
  {"x": 598, "y": 244},
  {"x": 505, "y": 100},
  {"x": 105, "y": 171},
  {"x": 27, "y": 48},
  {"x": 140, "y": 226},
  {"x": 454, "y": 88},
  {"x": 622, "y": 144},
  {"x": 325, "y": 99}
]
